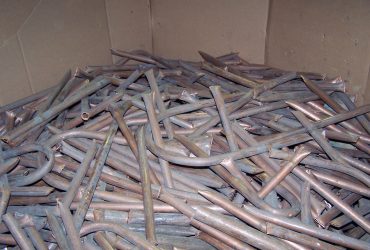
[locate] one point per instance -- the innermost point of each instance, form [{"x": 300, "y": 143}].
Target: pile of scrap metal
[{"x": 152, "y": 153}]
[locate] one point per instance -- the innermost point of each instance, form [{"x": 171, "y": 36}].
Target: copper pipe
[{"x": 300, "y": 154}]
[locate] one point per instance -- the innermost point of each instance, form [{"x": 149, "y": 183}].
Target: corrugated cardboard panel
[
  {"x": 367, "y": 89},
  {"x": 322, "y": 36},
  {"x": 64, "y": 34},
  {"x": 12, "y": 16},
  {"x": 181, "y": 28},
  {"x": 13, "y": 76},
  {"x": 129, "y": 24}
]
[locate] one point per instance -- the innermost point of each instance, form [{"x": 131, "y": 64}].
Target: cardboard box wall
[{"x": 41, "y": 39}]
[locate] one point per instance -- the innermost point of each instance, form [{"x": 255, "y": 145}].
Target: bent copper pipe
[
  {"x": 158, "y": 139},
  {"x": 35, "y": 175},
  {"x": 251, "y": 195}
]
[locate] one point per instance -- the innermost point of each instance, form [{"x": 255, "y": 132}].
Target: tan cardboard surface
[
  {"x": 129, "y": 24},
  {"x": 13, "y": 76},
  {"x": 367, "y": 89},
  {"x": 322, "y": 36},
  {"x": 12, "y": 16},
  {"x": 181, "y": 28},
  {"x": 64, "y": 34}
]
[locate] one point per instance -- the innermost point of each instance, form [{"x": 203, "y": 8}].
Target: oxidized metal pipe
[
  {"x": 351, "y": 106},
  {"x": 306, "y": 216},
  {"x": 36, "y": 238},
  {"x": 157, "y": 96},
  {"x": 158, "y": 138},
  {"x": 17, "y": 232},
  {"x": 298, "y": 237},
  {"x": 5, "y": 194},
  {"x": 239, "y": 230},
  {"x": 51, "y": 113},
  {"x": 35, "y": 175},
  {"x": 298, "y": 226},
  {"x": 100, "y": 238},
  {"x": 117, "y": 113},
  {"x": 300, "y": 154},
  {"x": 80, "y": 174},
  {"x": 72, "y": 233},
  {"x": 147, "y": 191},
  {"x": 57, "y": 230},
  {"x": 98, "y": 167},
  {"x": 120, "y": 230}
]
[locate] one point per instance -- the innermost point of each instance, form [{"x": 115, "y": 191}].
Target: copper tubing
[
  {"x": 342, "y": 183},
  {"x": 85, "y": 106},
  {"x": 189, "y": 212},
  {"x": 92, "y": 112},
  {"x": 9, "y": 120},
  {"x": 214, "y": 120},
  {"x": 47, "y": 115},
  {"x": 36, "y": 238},
  {"x": 98, "y": 167},
  {"x": 132, "y": 56},
  {"x": 5, "y": 194},
  {"x": 239, "y": 230},
  {"x": 228, "y": 75},
  {"x": 101, "y": 240},
  {"x": 147, "y": 191},
  {"x": 120, "y": 230},
  {"x": 325, "y": 192},
  {"x": 234, "y": 209},
  {"x": 72, "y": 233},
  {"x": 351, "y": 106},
  {"x": 306, "y": 216},
  {"x": 326, "y": 98},
  {"x": 299, "y": 155},
  {"x": 216, "y": 92},
  {"x": 359, "y": 144},
  {"x": 39, "y": 173},
  {"x": 246, "y": 191},
  {"x": 58, "y": 232},
  {"x": 326, "y": 164},
  {"x": 345, "y": 124},
  {"x": 17, "y": 232},
  {"x": 325, "y": 218},
  {"x": 157, "y": 96},
  {"x": 158, "y": 138},
  {"x": 299, "y": 238},
  {"x": 314, "y": 231},
  {"x": 274, "y": 83},
  {"x": 80, "y": 174},
  {"x": 213, "y": 241},
  {"x": 26, "y": 100},
  {"x": 117, "y": 113}
]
